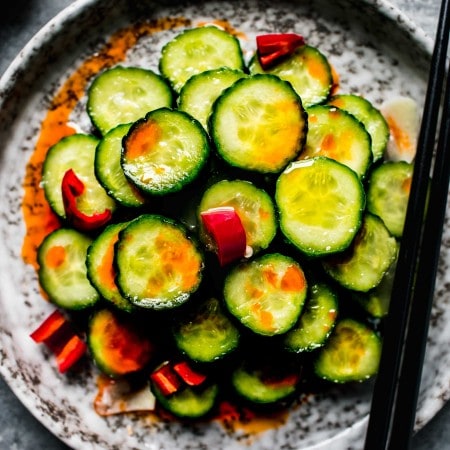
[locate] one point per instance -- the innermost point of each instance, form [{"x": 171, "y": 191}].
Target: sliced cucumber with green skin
[
  {"x": 369, "y": 116},
  {"x": 200, "y": 91},
  {"x": 164, "y": 152},
  {"x": 258, "y": 124},
  {"x": 158, "y": 266},
  {"x": 100, "y": 266},
  {"x": 320, "y": 203},
  {"x": 265, "y": 382},
  {"x": 388, "y": 194},
  {"x": 190, "y": 402},
  {"x": 316, "y": 321},
  {"x": 76, "y": 152},
  {"x": 197, "y": 50},
  {"x": 117, "y": 344},
  {"x": 362, "y": 266},
  {"x": 307, "y": 69},
  {"x": 206, "y": 334},
  {"x": 376, "y": 302},
  {"x": 352, "y": 353},
  {"x": 253, "y": 206},
  {"x": 109, "y": 172},
  {"x": 62, "y": 269},
  {"x": 336, "y": 134},
  {"x": 266, "y": 294},
  {"x": 125, "y": 94}
]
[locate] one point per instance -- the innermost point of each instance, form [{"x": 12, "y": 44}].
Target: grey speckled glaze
[{"x": 353, "y": 35}]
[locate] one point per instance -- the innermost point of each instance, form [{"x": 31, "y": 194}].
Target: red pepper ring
[
  {"x": 72, "y": 187},
  {"x": 271, "y": 48},
  {"x": 225, "y": 228}
]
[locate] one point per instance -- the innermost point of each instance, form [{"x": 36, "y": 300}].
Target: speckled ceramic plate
[{"x": 375, "y": 51}]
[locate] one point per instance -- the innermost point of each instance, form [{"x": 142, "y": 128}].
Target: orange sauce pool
[
  {"x": 38, "y": 216},
  {"x": 39, "y": 219},
  {"x": 248, "y": 422}
]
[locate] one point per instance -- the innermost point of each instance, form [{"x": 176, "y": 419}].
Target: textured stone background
[{"x": 19, "y": 21}]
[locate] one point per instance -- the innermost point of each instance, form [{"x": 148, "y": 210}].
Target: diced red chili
[
  {"x": 226, "y": 229},
  {"x": 190, "y": 376},
  {"x": 272, "y": 48},
  {"x": 166, "y": 379},
  {"x": 72, "y": 187},
  {"x": 60, "y": 338},
  {"x": 72, "y": 351},
  {"x": 48, "y": 327}
]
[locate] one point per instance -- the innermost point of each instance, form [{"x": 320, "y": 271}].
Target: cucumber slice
[
  {"x": 369, "y": 116},
  {"x": 158, "y": 266},
  {"x": 307, "y": 70},
  {"x": 388, "y": 194},
  {"x": 352, "y": 353},
  {"x": 376, "y": 302},
  {"x": 266, "y": 294},
  {"x": 206, "y": 334},
  {"x": 75, "y": 152},
  {"x": 125, "y": 94},
  {"x": 62, "y": 269},
  {"x": 164, "y": 152},
  {"x": 197, "y": 50},
  {"x": 253, "y": 206},
  {"x": 109, "y": 172},
  {"x": 265, "y": 382},
  {"x": 316, "y": 321},
  {"x": 100, "y": 266},
  {"x": 200, "y": 91},
  {"x": 189, "y": 403},
  {"x": 258, "y": 124},
  {"x": 362, "y": 266},
  {"x": 320, "y": 202},
  {"x": 338, "y": 135},
  {"x": 117, "y": 344}
]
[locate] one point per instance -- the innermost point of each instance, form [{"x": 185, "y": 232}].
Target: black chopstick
[
  {"x": 396, "y": 387},
  {"x": 411, "y": 369}
]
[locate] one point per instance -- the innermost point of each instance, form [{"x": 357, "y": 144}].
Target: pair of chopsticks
[{"x": 396, "y": 389}]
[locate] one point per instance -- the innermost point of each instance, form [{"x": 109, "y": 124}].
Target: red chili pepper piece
[
  {"x": 60, "y": 338},
  {"x": 188, "y": 374},
  {"x": 271, "y": 48},
  {"x": 288, "y": 380},
  {"x": 225, "y": 228},
  {"x": 72, "y": 187},
  {"x": 49, "y": 327},
  {"x": 70, "y": 353},
  {"x": 166, "y": 380}
]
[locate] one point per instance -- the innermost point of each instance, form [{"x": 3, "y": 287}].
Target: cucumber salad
[{"x": 230, "y": 230}]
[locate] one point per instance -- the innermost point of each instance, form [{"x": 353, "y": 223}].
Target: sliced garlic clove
[
  {"x": 402, "y": 116},
  {"x": 116, "y": 396}
]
